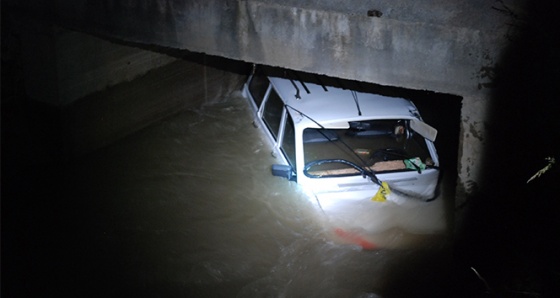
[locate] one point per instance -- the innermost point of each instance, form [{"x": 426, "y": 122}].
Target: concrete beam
[{"x": 417, "y": 49}]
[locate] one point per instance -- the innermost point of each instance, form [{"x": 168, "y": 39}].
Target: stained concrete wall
[
  {"x": 86, "y": 64},
  {"x": 443, "y": 46},
  {"x": 430, "y": 48},
  {"x": 101, "y": 118},
  {"x": 62, "y": 65}
]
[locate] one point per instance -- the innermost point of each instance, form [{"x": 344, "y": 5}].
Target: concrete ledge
[
  {"x": 86, "y": 64},
  {"x": 102, "y": 118}
]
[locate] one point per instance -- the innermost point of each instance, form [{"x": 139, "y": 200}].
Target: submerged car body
[{"x": 341, "y": 144}]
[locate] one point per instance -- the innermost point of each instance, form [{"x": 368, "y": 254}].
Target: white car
[{"x": 340, "y": 144}]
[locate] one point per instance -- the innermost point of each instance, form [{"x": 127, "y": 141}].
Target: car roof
[{"x": 338, "y": 105}]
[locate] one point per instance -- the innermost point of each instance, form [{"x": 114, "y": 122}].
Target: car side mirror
[{"x": 285, "y": 171}]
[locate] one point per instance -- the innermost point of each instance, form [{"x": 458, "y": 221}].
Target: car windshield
[{"x": 377, "y": 145}]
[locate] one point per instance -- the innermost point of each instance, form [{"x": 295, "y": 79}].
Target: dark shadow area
[
  {"x": 50, "y": 241},
  {"x": 512, "y": 226},
  {"x": 48, "y": 18}
]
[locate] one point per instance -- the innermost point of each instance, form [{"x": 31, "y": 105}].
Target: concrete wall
[
  {"x": 102, "y": 118},
  {"x": 86, "y": 64},
  {"x": 416, "y": 50},
  {"x": 62, "y": 65}
]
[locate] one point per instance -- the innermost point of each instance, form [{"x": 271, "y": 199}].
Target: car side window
[
  {"x": 272, "y": 113},
  {"x": 257, "y": 87}
]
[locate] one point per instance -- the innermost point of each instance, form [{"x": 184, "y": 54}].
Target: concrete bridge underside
[{"x": 441, "y": 46}]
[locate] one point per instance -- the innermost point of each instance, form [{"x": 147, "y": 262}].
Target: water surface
[{"x": 188, "y": 208}]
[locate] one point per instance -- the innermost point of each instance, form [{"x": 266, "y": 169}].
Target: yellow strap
[{"x": 382, "y": 193}]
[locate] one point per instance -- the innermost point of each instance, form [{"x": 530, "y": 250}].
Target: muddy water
[{"x": 188, "y": 208}]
